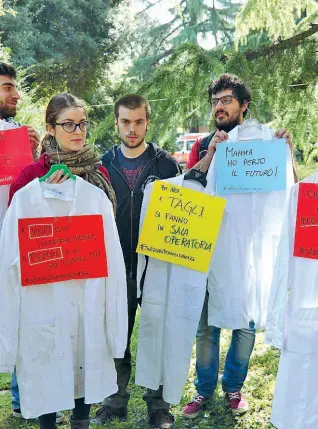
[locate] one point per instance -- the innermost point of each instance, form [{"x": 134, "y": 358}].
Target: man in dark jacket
[{"x": 132, "y": 165}]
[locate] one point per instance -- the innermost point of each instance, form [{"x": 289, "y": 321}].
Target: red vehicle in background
[{"x": 184, "y": 144}]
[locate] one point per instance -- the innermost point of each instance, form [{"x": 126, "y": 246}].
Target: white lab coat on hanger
[
  {"x": 242, "y": 265},
  {"x": 292, "y": 326},
  {"x": 61, "y": 336},
  {"x": 172, "y": 303}
]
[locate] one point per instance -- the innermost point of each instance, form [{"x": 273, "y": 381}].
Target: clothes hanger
[
  {"x": 56, "y": 167},
  {"x": 249, "y": 127}
]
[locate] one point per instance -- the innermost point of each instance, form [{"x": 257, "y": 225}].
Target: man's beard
[
  {"x": 227, "y": 125},
  {"x": 134, "y": 145},
  {"x": 7, "y": 112}
]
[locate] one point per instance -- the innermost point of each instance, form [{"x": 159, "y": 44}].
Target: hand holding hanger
[
  {"x": 219, "y": 137},
  {"x": 55, "y": 174},
  {"x": 58, "y": 176}
]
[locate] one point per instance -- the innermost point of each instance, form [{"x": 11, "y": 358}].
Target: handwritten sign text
[
  {"x": 254, "y": 166},
  {"x": 306, "y": 232},
  {"x": 181, "y": 226},
  {"x": 62, "y": 248}
]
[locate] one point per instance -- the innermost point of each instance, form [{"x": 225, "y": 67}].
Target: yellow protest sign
[{"x": 181, "y": 226}]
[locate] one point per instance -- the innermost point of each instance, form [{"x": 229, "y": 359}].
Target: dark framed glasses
[
  {"x": 70, "y": 127},
  {"x": 226, "y": 99}
]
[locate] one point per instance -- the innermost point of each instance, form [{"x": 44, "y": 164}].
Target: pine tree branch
[
  {"x": 163, "y": 55},
  {"x": 169, "y": 34},
  {"x": 284, "y": 44},
  {"x": 150, "y": 5},
  {"x": 252, "y": 55}
]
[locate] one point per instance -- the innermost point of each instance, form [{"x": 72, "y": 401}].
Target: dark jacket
[{"x": 161, "y": 165}]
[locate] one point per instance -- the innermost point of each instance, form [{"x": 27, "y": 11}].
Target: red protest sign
[
  {"x": 306, "y": 232},
  {"x": 57, "y": 249},
  {"x": 15, "y": 153}
]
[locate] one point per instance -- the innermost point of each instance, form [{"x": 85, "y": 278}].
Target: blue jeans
[
  {"x": 208, "y": 351},
  {"x": 15, "y": 391}
]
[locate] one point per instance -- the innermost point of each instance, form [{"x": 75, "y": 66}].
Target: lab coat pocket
[
  {"x": 42, "y": 342},
  {"x": 302, "y": 331}
]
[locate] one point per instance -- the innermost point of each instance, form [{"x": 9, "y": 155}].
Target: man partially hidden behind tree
[{"x": 132, "y": 165}]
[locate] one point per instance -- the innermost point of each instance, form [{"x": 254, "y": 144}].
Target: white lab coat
[
  {"x": 61, "y": 336},
  {"x": 4, "y": 198},
  {"x": 172, "y": 303},
  {"x": 242, "y": 265},
  {"x": 292, "y": 326}
]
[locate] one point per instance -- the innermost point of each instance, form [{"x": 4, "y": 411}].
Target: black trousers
[
  {"x": 80, "y": 412},
  {"x": 123, "y": 366}
]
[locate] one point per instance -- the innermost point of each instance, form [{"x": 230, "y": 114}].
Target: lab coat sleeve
[
  {"x": 142, "y": 258},
  {"x": 9, "y": 291},
  {"x": 275, "y": 325},
  {"x": 116, "y": 286}
]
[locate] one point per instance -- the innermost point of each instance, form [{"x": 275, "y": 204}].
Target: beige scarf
[{"x": 84, "y": 163}]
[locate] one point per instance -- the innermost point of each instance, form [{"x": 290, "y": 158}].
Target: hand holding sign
[
  {"x": 219, "y": 137},
  {"x": 34, "y": 138}
]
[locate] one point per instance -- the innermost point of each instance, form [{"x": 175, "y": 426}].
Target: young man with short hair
[{"x": 132, "y": 165}]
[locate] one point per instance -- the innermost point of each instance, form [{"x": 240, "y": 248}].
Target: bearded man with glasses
[{"x": 229, "y": 98}]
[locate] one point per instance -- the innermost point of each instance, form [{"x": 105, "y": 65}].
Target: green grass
[{"x": 258, "y": 388}]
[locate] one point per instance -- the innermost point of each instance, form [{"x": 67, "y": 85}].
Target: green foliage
[
  {"x": 31, "y": 110},
  {"x": 267, "y": 15},
  {"x": 190, "y": 19},
  {"x": 63, "y": 44},
  {"x": 4, "y": 53},
  {"x": 180, "y": 86},
  {"x": 306, "y": 170},
  {"x": 283, "y": 83}
]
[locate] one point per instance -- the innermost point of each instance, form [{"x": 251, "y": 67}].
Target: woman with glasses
[{"x": 65, "y": 143}]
